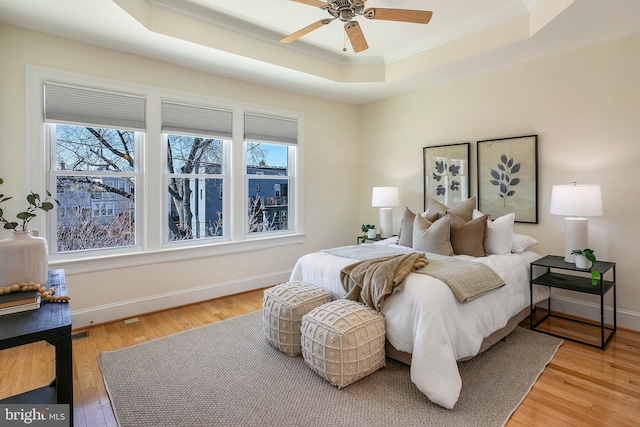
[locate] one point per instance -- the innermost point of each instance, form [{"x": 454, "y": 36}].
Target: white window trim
[{"x": 152, "y": 249}]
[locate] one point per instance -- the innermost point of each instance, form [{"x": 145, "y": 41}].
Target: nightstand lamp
[
  {"x": 575, "y": 202},
  {"x": 384, "y": 198}
]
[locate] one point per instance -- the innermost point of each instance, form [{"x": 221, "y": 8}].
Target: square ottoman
[
  {"x": 283, "y": 307},
  {"x": 343, "y": 341}
]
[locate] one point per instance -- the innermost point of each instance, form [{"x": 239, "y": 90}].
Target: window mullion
[
  {"x": 153, "y": 222},
  {"x": 237, "y": 181},
  {"x": 52, "y": 220}
]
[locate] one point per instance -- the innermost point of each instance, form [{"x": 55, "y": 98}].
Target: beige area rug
[{"x": 226, "y": 374}]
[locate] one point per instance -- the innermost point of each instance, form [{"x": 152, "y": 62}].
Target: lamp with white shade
[
  {"x": 385, "y": 198},
  {"x": 575, "y": 202}
]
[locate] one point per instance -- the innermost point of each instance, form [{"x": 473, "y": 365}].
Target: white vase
[
  {"x": 372, "y": 233},
  {"x": 582, "y": 261},
  {"x": 23, "y": 258}
]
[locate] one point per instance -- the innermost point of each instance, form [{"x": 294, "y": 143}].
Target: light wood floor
[{"x": 582, "y": 386}]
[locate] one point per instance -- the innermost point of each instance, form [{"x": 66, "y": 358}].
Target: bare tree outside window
[
  {"x": 195, "y": 183},
  {"x": 95, "y": 184},
  {"x": 268, "y": 184},
  {"x": 96, "y": 171}
]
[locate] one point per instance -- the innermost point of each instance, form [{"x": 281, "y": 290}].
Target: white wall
[
  {"x": 584, "y": 105},
  {"x": 329, "y": 172}
]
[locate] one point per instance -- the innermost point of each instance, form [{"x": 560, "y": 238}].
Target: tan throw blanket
[
  {"x": 371, "y": 281},
  {"x": 467, "y": 280}
]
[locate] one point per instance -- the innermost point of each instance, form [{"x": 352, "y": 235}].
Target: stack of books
[{"x": 16, "y": 302}]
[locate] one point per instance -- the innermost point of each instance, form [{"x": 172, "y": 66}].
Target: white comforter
[{"x": 425, "y": 318}]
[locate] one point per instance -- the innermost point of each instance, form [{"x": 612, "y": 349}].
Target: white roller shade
[
  {"x": 274, "y": 129},
  {"x": 198, "y": 120},
  {"x": 84, "y": 106}
]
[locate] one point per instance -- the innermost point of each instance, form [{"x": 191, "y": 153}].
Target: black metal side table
[
  {"x": 576, "y": 283},
  {"x": 364, "y": 239}
]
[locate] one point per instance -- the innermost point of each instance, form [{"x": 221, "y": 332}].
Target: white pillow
[
  {"x": 520, "y": 243},
  {"x": 499, "y": 233}
]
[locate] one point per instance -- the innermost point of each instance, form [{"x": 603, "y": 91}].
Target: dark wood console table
[{"x": 51, "y": 323}]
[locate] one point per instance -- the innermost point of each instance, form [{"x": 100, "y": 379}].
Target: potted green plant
[
  {"x": 35, "y": 203},
  {"x": 586, "y": 258},
  {"x": 23, "y": 256},
  {"x": 369, "y": 231}
]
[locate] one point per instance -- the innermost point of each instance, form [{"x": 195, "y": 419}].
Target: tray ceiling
[{"x": 240, "y": 38}]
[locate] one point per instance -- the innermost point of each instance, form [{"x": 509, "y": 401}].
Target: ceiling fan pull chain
[{"x": 344, "y": 41}]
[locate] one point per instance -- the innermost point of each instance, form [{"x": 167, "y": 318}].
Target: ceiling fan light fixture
[
  {"x": 346, "y": 10},
  {"x": 346, "y": 15}
]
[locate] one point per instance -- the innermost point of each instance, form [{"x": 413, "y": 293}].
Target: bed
[{"x": 427, "y": 326}]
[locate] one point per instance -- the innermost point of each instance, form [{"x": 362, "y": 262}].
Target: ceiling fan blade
[
  {"x": 402, "y": 15},
  {"x": 356, "y": 36},
  {"x": 305, "y": 30},
  {"x": 316, "y": 3}
]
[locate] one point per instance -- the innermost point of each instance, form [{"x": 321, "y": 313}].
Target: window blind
[
  {"x": 270, "y": 129},
  {"x": 193, "y": 119},
  {"x": 84, "y": 106}
]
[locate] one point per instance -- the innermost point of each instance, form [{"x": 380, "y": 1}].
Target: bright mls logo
[{"x": 36, "y": 415}]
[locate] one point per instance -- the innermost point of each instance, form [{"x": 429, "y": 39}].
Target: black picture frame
[
  {"x": 508, "y": 177},
  {"x": 446, "y": 172}
]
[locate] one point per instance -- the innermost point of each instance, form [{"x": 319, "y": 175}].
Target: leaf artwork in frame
[
  {"x": 446, "y": 173},
  {"x": 508, "y": 177}
]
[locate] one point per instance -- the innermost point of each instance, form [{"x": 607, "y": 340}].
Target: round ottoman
[
  {"x": 343, "y": 341},
  {"x": 283, "y": 307}
]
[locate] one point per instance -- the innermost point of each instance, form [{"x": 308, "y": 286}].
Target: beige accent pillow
[
  {"x": 405, "y": 236},
  {"x": 467, "y": 237},
  {"x": 432, "y": 216},
  {"x": 463, "y": 209},
  {"x": 432, "y": 236}
]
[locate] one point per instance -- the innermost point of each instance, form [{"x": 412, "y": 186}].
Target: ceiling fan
[{"x": 347, "y": 10}]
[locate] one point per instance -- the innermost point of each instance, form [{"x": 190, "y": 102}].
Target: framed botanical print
[
  {"x": 508, "y": 177},
  {"x": 446, "y": 173}
]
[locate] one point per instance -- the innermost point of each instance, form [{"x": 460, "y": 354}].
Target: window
[
  {"x": 139, "y": 169},
  {"x": 197, "y": 142},
  {"x": 103, "y": 209},
  {"x": 94, "y": 140},
  {"x": 195, "y": 186},
  {"x": 268, "y": 210},
  {"x": 267, "y": 168},
  {"x": 94, "y": 212}
]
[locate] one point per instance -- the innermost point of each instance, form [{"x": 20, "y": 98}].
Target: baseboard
[
  {"x": 125, "y": 309},
  {"x": 625, "y": 318},
  {"x": 122, "y": 310}
]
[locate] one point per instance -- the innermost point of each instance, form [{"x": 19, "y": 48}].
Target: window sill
[{"x": 95, "y": 264}]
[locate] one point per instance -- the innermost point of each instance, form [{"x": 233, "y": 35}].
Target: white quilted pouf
[
  {"x": 343, "y": 341},
  {"x": 283, "y": 308}
]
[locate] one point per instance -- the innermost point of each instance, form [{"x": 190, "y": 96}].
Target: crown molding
[{"x": 496, "y": 18}]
